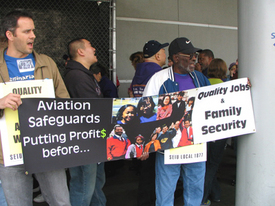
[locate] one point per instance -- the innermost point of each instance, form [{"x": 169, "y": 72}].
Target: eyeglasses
[{"x": 190, "y": 56}]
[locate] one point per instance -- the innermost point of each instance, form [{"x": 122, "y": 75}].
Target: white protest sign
[
  {"x": 223, "y": 110},
  {"x": 9, "y": 123}
]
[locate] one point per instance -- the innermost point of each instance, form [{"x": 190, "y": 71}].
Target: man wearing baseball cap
[
  {"x": 181, "y": 76},
  {"x": 154, "y": 59}
]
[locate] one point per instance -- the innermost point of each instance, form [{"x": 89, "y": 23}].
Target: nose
[
  {"x": 194, "y": 57},
  {"x": 32, "y": 35}
]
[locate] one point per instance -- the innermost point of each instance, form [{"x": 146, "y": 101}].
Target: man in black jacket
[
  {"x": 86, "y": 181},
  {"x": 178, "y": 107}
]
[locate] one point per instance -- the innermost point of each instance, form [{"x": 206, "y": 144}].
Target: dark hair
[
  {"x": 208, "y": 53},
  {"x": 65, "y": 57},
  {"x": 161, "y": 102},
  {"x": 136, "y": 58},
  {"x": 121, "y": 110},
  {"x": 191, "y": 99},
  {"x": 142, "y": 102},
  {"x": 232, "y": 65},
  {"x": 97, "y": 67},
  {"x": 164, "y": 125},
  {"x": 181, "y": 93},
  {"x": 9, "y": 22},
  {"x": 74, "y": 45},
  {"x": 187, "y": 119},
  {"x": 217, "y": 69}
]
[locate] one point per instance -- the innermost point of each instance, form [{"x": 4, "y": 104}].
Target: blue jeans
[
  {"x": 167, "y": 177},
  {"x": 85, "y": 185},
  {"x": 99, "y": 198},
  {"x": 3, "y": 201},
  {"x": 18, "y": 186}
]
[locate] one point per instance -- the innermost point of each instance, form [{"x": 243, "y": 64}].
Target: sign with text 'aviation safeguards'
[{"x": 62, "y": 133}]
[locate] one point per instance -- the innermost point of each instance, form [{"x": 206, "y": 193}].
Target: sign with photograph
[{"x": 62, "y": 133}]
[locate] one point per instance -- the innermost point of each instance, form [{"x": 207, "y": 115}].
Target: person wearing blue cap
[
  {"x": 179, "y": 77},
  {"x": 154, "y": 59}
]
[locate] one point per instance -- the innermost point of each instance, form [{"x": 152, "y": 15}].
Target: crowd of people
[{"x": 189, "y": 67}]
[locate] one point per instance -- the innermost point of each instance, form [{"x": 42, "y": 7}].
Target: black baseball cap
[
  {"x": 182, "y": 44},
  {"x": 152, "y": 47}
]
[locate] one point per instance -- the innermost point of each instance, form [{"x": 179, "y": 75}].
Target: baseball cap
[
  {"x": 182, "y": 44},
  {"x": 231, "y": 65},
  {"x": 152, "y": 47},
  {"x": 139, "y": 136}
]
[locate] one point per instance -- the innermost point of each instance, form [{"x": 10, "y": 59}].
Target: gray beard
[{"x": 187, "y": 69}]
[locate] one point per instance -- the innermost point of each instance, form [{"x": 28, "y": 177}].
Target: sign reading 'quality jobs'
[
  {"x": 9, "y": 123},
  {"x": 62, "y": 133},
  {"x": 222, "y": 111}
]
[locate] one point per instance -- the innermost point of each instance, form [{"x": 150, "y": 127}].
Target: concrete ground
[{"x": 121, "y": 187}]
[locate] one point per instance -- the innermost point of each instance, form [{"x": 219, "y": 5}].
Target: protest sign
[
  {"x": 223, "y": 110},
  {"x": 9, "y": 123},
  {"x": 187, "y": 154},
  {"x": 62, "y": 133}
]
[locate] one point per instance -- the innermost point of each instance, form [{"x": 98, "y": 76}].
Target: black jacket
[
  {"x": 80, "y": 81},
  {"x": 178, "y": 111}
]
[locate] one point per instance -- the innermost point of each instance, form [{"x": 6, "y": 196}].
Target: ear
[
  {"x": 80, "y": 52},
  {"x": 175, "y": 58},
  {"x": 9, "y": 35},
  {"x": 157, "y": 56}
]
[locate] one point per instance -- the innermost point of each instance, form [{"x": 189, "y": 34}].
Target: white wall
[
  {"x": 209, "y": 24},
  {"x": 255, "y": 157}
]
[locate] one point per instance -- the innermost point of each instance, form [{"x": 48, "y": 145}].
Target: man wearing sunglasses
[{"x": 181, "y": 76}]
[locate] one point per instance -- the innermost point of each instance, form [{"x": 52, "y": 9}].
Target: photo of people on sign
[
  {"x": 184, "y": 150},
  {"x": 147, "y": 109},
  {"x": 134, "y": 110},
  {"x": 117, "y": 143},
  {"x": 136, "y": 149},
  {"x": 62, "y": 133},
  {"x": 175, "y": 108}
]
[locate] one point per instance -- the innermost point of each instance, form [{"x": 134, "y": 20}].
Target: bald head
[
  {"x": 158, "y": 58},
  {"x": 73, "y": 46},
  {"x": 81, "y": 50}
]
